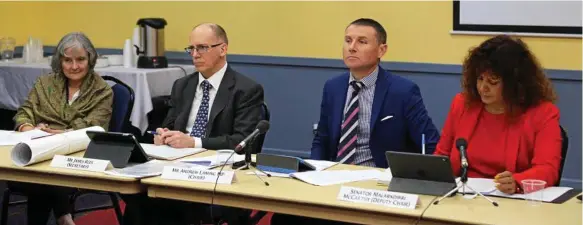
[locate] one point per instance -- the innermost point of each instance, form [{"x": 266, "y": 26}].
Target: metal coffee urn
[{"x": 151, "y": 50}]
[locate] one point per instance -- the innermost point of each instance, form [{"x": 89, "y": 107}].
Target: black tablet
[
  {"x": 119, "y": 148},
  {"x": 420, "y": 174}
]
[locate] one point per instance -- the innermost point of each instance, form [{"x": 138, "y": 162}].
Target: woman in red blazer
[{"x": 507, "y": 115}]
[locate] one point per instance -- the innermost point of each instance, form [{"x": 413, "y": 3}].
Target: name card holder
[
  {"x": 198, "y": 175},
  {"x": 384, "y": 198},
  {"x": 77, "y": 163}
]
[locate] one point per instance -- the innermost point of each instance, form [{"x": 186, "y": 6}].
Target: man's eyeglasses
[{"x": 200, "y": 48}]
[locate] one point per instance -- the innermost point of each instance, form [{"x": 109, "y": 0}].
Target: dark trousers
[
  {"x": 41, "y": 199},
  {"x": 141, "y": 210},
  {"x": 285, "y": 219}
]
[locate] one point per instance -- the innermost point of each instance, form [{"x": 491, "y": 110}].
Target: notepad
[{"x": 166, "y": 152}]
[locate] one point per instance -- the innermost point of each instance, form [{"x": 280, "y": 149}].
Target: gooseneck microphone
[
  {"x": 462, "y": 146},
  {"x": 261, "y": 128}
]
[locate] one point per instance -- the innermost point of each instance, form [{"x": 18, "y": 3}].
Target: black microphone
[
  {"x": 462, "y": 145},
  {"x": 261, "y": 128}
]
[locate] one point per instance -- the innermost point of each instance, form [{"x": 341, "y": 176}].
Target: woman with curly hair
[{"x": 506, "y": 114}]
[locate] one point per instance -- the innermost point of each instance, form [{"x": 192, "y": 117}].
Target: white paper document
[
  {"x": 385, "y": 177},
  {"x": 148, "y": 169},
  {"x": 211, "y": 161},
  {"x": 37, "y": 150},
  {"x": 321, "y": 164},
  {"x": 488, "y": 187},
  {"x": 324, "y": 178},
  {"x": 8, "y": 137},
  {"x": 169, "y": 153}
]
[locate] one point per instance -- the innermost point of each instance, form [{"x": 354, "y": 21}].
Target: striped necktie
[{"x": 349, "y": 133}]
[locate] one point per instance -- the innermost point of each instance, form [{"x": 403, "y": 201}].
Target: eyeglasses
[{"x": 200, "y": 48}]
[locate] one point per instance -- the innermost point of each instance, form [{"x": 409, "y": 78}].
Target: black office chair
[
  {"x": 564, "y": 149},
  {"x": 123, "y": 103},
  {"x": 258, "y": 141}
]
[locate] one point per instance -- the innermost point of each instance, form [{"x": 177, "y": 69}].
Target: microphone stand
[
  {"x": 464, "y": 180},
  {"x": 248, "y": 164}
]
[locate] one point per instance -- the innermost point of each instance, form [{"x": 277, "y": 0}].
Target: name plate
[
  {"x": 76, "y": 163},
  {"x": 198, "y": 175},
  {"x": 385, "y": 198}
]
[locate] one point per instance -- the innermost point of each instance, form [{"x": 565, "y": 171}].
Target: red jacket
[{"x": 533, "y": 145}]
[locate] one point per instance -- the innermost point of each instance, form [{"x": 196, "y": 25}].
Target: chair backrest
[
  {"x": 123, "y": 103},
  {"x": 258, "y": 143},
  {"x": 564, "y": 149}
]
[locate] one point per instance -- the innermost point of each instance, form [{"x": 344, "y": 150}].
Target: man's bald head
[{"x": 219, "y": 32}]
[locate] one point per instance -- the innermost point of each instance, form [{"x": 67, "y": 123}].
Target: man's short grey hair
[
  {"x": 220, "y": 33},
  {"x": 73, "y": 40}
]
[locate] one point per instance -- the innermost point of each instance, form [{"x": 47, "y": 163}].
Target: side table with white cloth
[{"x": 17, "y": 79}]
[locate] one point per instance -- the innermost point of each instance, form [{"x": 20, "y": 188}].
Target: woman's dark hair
[{"x": 524, "y": 81}]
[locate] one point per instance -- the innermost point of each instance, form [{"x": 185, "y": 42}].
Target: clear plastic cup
[
  {"x": 7, "y": 46},
  {"x": 533, "y": 191}
]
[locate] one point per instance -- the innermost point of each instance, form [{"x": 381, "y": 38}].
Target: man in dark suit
[
  {"x": 214, "y": 108},
  {"x": 368, "y": 111}
]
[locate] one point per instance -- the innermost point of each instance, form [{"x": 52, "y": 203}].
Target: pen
[
  {"x": 34, "y": 138},
  {"x": 152, "y": 132},
  {"x": 423, "y": 144}
]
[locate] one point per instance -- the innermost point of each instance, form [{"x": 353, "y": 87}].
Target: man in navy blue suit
[{"x": 368, "y": 111}]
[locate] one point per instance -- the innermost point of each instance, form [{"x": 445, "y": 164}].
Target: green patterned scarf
[{"x": 47, "y": 103}]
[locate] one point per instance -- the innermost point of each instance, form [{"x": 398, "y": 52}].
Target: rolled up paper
[{"x": 38, "y": 150}]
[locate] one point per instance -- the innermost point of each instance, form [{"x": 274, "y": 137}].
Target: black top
[{"x": 157, "y": 23}]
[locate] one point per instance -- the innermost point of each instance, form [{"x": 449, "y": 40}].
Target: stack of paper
[{"x": 166, "y": 152}]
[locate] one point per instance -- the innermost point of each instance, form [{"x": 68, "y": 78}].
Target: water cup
[
  {"x": 7, "y": 48},
  {"x": 223, "y": 155},
  {"x": 533, "y": 191}
]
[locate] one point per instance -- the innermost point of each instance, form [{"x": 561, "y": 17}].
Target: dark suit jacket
[
  {"x": 235, "y": 112},
  {"x": 394, "y": 96}
]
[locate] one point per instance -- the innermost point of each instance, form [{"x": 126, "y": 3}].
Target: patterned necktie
[
  {"x": 347, "y": 146},
  {"x": 202, "y": 116}
]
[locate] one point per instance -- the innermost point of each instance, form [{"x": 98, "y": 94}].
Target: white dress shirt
[{"x": 215, "y": 81}]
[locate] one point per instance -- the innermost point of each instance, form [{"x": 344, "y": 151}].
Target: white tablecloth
[{"x": 17, "y": 79}]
